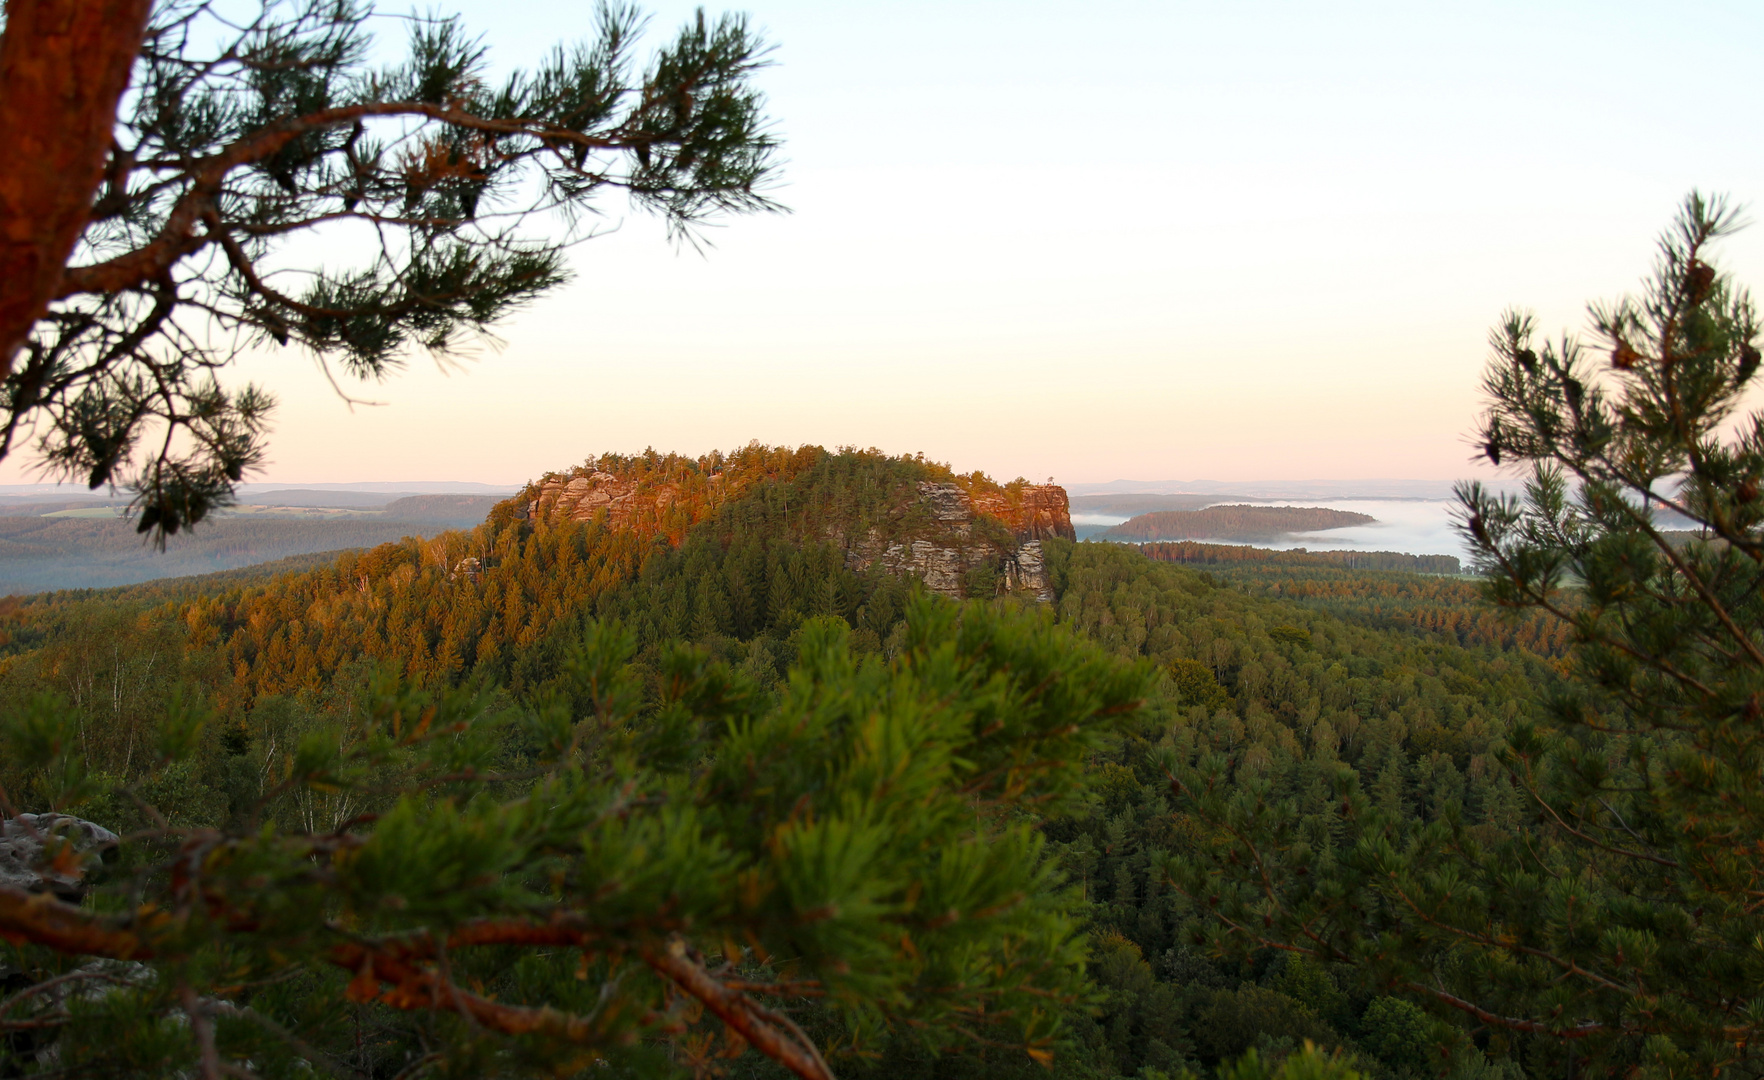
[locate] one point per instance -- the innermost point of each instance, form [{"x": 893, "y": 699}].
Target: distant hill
[
  {"x": 161, "y": 590},
  {"x": 1139, "y": 504},
  {"x": 728, "y": 547},
  {"x": 29, "y": 508},
  {"x": 1371, "y": 488},
  {"x": 1234, "y": 523},
  {"x": 38, "y": 554},
  {"x": 346, "y": 500},
  {"x": 458, "y": 511}
]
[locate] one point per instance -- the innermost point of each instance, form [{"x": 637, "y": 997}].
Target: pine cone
[
  {"x": 1698, "y": 279},
  {"x": 1748, "y": 361}
]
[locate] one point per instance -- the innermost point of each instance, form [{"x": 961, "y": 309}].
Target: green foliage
[
  {"x": 1370, "y": 588},
  {"x": 238, "y": 135},
  {"x": 1417, "y": 717},
  {"x": 1309, "y": 1064},
  {"x": 1290, "y": 635},
  {"x": 1199, "y": 554},
  {"x": 1600, "y": 913},
  {"x": 1237, "y": 1020},
  {"x": 864, "y": 836},
  {"x": 1195, "y": 685},
  {"x": 1397, "y": 1033},
  {"x": 754, "y": 583}
]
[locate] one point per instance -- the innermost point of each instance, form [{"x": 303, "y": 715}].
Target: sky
[{"x": 1232, "y": 241}]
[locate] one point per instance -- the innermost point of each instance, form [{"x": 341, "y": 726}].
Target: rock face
[
  {"x": 995, "y": 529},
  {"x": 22, "y": 842},
  {"x": 960, "y": 543},
  {"x": 1042, "y": 511},
  {"x": 628, "y": 503}
]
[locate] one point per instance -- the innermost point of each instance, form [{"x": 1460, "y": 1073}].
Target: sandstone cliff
[
  {"x": 965, "y": 536},
  {"x": 629, "y": 503},
  {"x": 947, "y": 555}
]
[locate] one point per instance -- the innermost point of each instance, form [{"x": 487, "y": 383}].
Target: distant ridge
[
  {"x": 405, "y": 487},
  {"x": 1275, "y": 489},
  {"x": 1234, "y": 523},
  {"x": 409, "y": 487}
]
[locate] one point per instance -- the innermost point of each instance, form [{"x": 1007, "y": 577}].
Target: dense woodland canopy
[
  {"x": 680, "y": 792},
  {"x": 1424, "y": 591},
  {"x": 1202, "y": 554},
  {"x": 1291, "y": 666}
]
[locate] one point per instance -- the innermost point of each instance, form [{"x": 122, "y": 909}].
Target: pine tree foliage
[
  {"x": 641, "y": 880},
  {"x": 1617, "y": 918},
  {"x": 1410, "y": 710},
  {"x": 747, "y": 557},
  {"x": 450, "y": 198}
]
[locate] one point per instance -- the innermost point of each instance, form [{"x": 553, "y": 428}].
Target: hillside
[
  {"x": 1290, "y": 661},
  {"x": 766, "y": 537},
  {"x": 1234, "y": 523}
]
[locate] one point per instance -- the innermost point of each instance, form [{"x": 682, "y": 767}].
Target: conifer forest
[{"x": 788, "y": 761}]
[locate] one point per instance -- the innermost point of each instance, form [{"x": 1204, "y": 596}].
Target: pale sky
[{"x": 1231, "y": 241}]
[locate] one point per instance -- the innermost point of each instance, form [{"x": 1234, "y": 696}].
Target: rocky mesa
[{"x": 965, "y": 536}]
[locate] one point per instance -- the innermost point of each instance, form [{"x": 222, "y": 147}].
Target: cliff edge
[
  {"x": 948, "y": 557},
  {"x": 963, "y": 536}
]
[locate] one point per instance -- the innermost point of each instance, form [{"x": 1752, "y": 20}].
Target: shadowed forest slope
[{"x": 1286, "y": 665}]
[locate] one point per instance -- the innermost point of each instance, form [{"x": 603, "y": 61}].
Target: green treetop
[
  {"x": 643, "y": 873},
  {"x": 1619, "y": 927}
]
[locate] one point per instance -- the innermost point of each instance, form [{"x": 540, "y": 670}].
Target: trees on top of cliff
[{"x": 140, "y": 243}]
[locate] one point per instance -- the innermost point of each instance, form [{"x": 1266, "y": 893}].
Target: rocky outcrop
[
  {"x": 24, "y": 840},
  {"x": 628, "y": 504},
  {"x": 959, "y": 543},
  {"x": 1037, "y": 512},
  {"x": 957, "y": 538}
]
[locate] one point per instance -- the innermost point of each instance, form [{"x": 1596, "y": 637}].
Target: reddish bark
[
  {"x": 752, "y": 1021},
  {"x": 41, "y": 919},
  {"x": 63, "y": 66}
]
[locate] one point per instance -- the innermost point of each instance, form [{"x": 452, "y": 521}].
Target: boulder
[{"x": 29, "y": 842}]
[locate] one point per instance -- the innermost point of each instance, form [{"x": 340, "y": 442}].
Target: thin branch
[{"x": 753, "y": 1022}]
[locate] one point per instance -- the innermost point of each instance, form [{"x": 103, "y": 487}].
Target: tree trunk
[{"x": 63, "y": 66}]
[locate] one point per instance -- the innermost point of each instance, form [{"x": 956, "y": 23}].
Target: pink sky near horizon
[{"x": 1155, "y": 241}]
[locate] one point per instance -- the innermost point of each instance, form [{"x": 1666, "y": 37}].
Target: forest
[
  {"x": 1292, "y": 663},
  {"x": 1243, "y": 522},
  {"x": 807, "y": 762}
]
